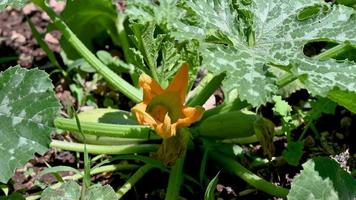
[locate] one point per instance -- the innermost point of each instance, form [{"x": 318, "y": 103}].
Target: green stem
[
  {"x": 119, "y": 83},
  {"x": 225, "y": 107},
  {"x": 208, "y": 86},
  {"x": 133, "y": 179},
  {"x": 332, "y": 52},
  {"x": 236, "y": 168},
  {"x": 286, "y": 79},
  {"x": 176, "y": 175},
  {"x": 104, "y": 149},
  {"x": 102, "y": 169},
  {"x": 45, "y": 48},
  {"x": 103, "y": 129},
  {"x": 175, "y": 179}
]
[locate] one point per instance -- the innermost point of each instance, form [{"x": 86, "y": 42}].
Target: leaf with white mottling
[
  {"x": 71, "y": 190},
  {"x": 164, "y": 13},
  {"x": 13, "y": 3},
  {"x": 28, "y": 107},
  {"x": 245, "y": 40}
]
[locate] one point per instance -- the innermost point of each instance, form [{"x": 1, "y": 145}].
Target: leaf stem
[
  {"x": 176, "y": 175},
  {"x": 236, "y": 168},
  {"x": 104, "y": 149},
  {"x": 119, "y": 83},
  {"x": 208, "y": 86},
  {"x": 103, "y": 129},
  {"x": 133, "y": 180},
  {"x": 332, "y": 52}
]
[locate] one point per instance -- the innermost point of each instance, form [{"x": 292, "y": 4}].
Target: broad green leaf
[
  {"x": 68, "y": 190},
  {"x": 98, "y": 192},
  {"x": 322, "y": 178},
  {"x": 94, "y": 20},
  {"x": 293, "y": 153},
  {"x": 158, "y": 51},
  {"x": 245, "y": 40},
  {"x": 71, "y": 191},
  {"x": 346, "y": 99},
  {"x": 27, "y": 109},
  {"x": 13, "y": 3},
  {"x": 164, "y": 13}
]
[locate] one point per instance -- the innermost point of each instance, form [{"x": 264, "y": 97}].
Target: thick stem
[
  {"x": 176, "y": 175},
  {"x": 133, "y": 179},
  {"x": 236, "y": 168},
  {"x": 119, "y": 83},
  {"x": 103, "y": 129},
  {"x": 208, "y": 87},
  {"x": 104, "y": 149}
]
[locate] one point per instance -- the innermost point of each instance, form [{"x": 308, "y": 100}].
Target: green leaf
[
  {"x": 71, "y": 190},
  {"x": 96, "y": 19},
  {"x": 68, "y": 190},
  {"x": 164, "y": 13},
  {"x": 322, "y": 178},
  {"x": 209, "y": 193},
  {"x": 27, "y": 109},
  {"x": 344, "y": 98},
  {"x": 13, "y": 196},
  {"x": 282, "y": 108},
  {"x": 98, "y": 192},
  {"x": 13, "y": 3},
  {"x": 293, "y": 153},
  {"x": 269, "y": 34},
  {"x": 158, "y": 52}
]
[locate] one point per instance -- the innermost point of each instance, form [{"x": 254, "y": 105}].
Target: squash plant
[{"x": 253, "y": 48}]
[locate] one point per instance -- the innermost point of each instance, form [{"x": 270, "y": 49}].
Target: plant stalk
[
  {"x": 133, "y": 180},
  {"x": 104, "y": 149},
  {"x": 236, "y": 168},
  {"x": 119, "y": 83},
  {"x": 104, "y": 129}
]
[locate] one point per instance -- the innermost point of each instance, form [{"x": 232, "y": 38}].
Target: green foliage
[
  {"x": 90, "y": 20},
  {"x": 13, "y": 196},
  {"x": 344, "y": 98},
  {"x": 209, "y": 192},
  {"x": 163, "y": 13},
  {"x": 71, "y": 190},
  {"x": 13, "y": 3},
  {"x": 322, "y": 178},
  {"x": 27, "y": 109},
  {"x": 157, "y": 54},
  {"x": 246, "y": 38}
]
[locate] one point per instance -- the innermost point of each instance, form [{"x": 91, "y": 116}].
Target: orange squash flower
[{"x": 164, "y": 109}]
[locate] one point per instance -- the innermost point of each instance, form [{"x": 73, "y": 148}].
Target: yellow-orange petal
[
  {"x": 179, "y": 83},
  {"x": 142, "y": 116},
  {"x": 191, "y": 115},
  {"x": 165, "y": 129},
  {"x": 150, "y": 87}
]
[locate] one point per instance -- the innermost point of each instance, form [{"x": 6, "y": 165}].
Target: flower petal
[
  {"x": 150, "y": 88},
  {"x": 142, "y": 116},
  {"x": 179, "y": 83},
  {"x": 191, "y": 115}
]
